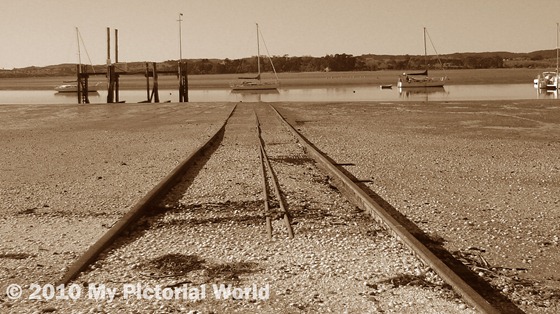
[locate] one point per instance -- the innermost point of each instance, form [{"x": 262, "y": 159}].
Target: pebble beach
[{"x": 482, "y": 177}]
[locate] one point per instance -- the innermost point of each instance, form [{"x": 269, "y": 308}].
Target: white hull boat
[
  {"x": 73, "y": 88},
  {"x": 255, "y": 83},
  {"x": 549, "y": 80}
]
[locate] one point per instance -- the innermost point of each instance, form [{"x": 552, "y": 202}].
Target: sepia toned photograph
[{"x": 279, "y": 156}]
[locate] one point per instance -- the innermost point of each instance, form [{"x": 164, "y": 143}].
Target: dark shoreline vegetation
[{"x": 333, "y": 63}]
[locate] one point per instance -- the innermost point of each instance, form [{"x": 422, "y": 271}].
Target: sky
[{"x": 43, "y": 32}]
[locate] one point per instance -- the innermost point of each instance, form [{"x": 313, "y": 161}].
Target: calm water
[{"x": 315, "y": 94}]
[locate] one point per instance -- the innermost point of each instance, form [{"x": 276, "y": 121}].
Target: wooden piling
[
  {"x": 148, "y": 98},
  {"x": 82, "y": 85},
  {"x": 78, "y": 78},
  {"x": 110, "y": 77},
  {"x": 183, "y": 82},
  {"x": 117, "y": 62},
  {"x": 155, "y": 88}
]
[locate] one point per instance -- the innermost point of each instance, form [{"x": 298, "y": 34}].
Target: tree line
[
  {"x": 339, "y": 62},
  {"x": 348, "y": 62},
  {"x": 336, "y": 62}
]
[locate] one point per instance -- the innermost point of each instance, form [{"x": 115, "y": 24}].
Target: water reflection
[
  {"x": 546, "y": 94},
  {"x": 422, "y": 93},
  {"x": 253, "y": 95},
  {"x": 308, "y": 94},
  {"x": 74, "y": 94}
]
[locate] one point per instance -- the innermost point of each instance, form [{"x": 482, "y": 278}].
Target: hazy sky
[{"x": 42, "y": 32}]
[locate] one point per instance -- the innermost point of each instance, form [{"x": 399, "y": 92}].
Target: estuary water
[{"x": 311, "y": 94}]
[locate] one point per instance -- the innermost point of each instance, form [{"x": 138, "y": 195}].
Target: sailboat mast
[
  {"x": 79, "y": 53},
  {"x": 425, "y": 51},
  {"x": 557, "y": 54},
  {"x": 258, "y": 53}
]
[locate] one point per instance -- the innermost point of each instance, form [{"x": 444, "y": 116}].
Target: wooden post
[
  {"x": 109, "y": 71},
  {"x": 82, "y": 85},
  {"x": 111, "y": 89},
  {"x": 116, "y": 62},
  {"x": 155, "y": 90},
  {"x": 148, "y": 98},
  {"x": 85, "y": 90},
  {"x": 183, "y": 83},
  {"x": 78, "y": 80},
  {"x": 186, "y": 83}
]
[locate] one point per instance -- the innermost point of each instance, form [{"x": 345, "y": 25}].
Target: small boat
[
  {"x": 72, "y": 87},
  {"x": 255, "y": 83},
  {"x": 420, "y": 79},
  {"x": 386, "y": 86},
  {"x": 549, "y": 80}
]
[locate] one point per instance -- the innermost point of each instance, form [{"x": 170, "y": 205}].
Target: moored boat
[
  {"x": 69, "y": 87},
  {"x": 255, "y": 83},
  {"x": 549, "y": 80},
  {"x": 255, "y": 86},
  {"x": 420, "y": 79},
  {"x": 72, "y": 86}
]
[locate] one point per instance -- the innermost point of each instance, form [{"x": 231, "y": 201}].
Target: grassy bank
[{"x": 305, "y": 79}]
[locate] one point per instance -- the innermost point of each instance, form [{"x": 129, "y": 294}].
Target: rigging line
[
  {"x": 268, "y": 54},
  {"x": 434, "y": 47},
  {"x": 85, "y": 48}
]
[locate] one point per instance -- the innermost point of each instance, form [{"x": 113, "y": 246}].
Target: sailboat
[
  {"x": 549, "y": 80},
  {"x": 72, "y": 86},
  {"x": 421, "y": 79},
  {"x": 255, "y": 83}
]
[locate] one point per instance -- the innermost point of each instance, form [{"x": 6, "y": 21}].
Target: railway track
[{"x": 214, "y": 221}]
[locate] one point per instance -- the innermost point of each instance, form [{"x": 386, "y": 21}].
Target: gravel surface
[
  {"x": 69, "y": 172},
  {"x": 210, "y": 231},
  {"x": 482, "y": 177}
]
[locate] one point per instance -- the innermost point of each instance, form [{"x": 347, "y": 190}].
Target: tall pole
[
  {"x": 180, "y": 38},
  {"x": 116, "y": 46},
  {"x": 258, "y": 53},
  {"x": 79, "y": 53},
  {"x": 183, "y": 80},
  {"x": 79, "y": 69},
  {"x": 116, "y": 62},
  {"x": 557, "y": 55},
  {"x": 109, "y": 68},
  {"x": 425, "y": 51},
  {"x": 108, "y": 46}
]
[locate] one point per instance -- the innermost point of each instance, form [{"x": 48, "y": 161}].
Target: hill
[{"x": 337, "y": 62}]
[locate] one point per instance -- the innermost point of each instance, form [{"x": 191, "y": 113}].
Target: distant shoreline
[{"x": 292, "y": 80}]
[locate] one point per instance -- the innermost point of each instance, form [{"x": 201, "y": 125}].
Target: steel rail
[
  {"x": 364, "y": 201},
  {"x": 275, "y": 184},
  {"x": 267, "y": 212},
  {"x": 138, "y": 210}
]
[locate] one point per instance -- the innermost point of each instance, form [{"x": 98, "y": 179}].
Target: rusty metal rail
[
  {"x": 364, "y": 201},
  {"x": 148, "y": 201},
  {"x": 274, "y": 182},
  {"x": 267, "y": 212}
]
